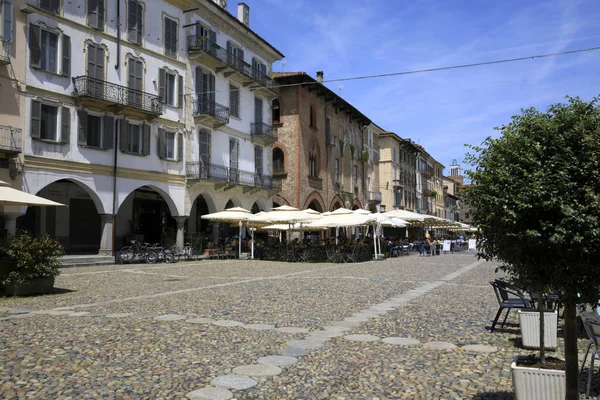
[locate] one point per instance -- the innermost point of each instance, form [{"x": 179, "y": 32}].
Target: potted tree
[
  {"x": 30, "y": 264},
  {"x": 535, "y": 197}
]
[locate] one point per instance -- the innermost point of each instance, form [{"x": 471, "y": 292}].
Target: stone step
[{"x": 83, "y": 260}]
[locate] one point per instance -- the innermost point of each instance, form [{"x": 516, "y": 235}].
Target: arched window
[
  {"x": 276, "y": 108},
  {"x": 313, "y": 157},
  {"x": 278, "y": 161},
  {"x": 313, "y": 118}
]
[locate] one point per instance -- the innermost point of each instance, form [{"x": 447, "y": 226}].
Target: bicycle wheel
[
  {"x": 127, "y": 254},
  {"x": 151, "y": 257},
  {"x": 169, "y": 257}
]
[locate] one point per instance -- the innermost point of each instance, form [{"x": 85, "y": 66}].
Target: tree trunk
[
  {"x": 572, "y": 368},
  {"x": 542, "y": 326}
]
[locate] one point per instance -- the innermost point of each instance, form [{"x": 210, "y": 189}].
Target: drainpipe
[
  {"x": 118, "y": 61},
  {"x": 114, "y": 207}
]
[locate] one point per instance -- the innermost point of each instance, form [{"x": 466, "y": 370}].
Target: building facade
[
  {"x": 320, "y": 140},
  {"x": 371, "y": 154},
  {"x": 114, "y": 132}
]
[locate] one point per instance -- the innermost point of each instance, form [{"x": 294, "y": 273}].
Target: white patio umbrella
[
  {"x": 14, "y": 197},
  {"x": 285, "y": 215},
  {"x": 231, "y": 215},
  {"x": 406, "y": 215}
]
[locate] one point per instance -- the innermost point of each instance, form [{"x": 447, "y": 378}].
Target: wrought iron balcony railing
[
  {"x": 240, "y": 65},
  {"x": 202, "y": 43},
  {"x": 259, "y": 77},
  {"x": 86, "y": 86},
  {"x": 262, "y": 130},
  {"x": 10, "y": 138},
  {"x": 5, "y": 50},
  {"x": 220, "y": 173},
  {"x": 205, "y": 106}
]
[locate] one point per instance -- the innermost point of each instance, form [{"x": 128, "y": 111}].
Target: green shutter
[
  {"x": 34, "y": 46},
  {"x": 7, "y": 21},
  {"x": 66, "y": 56},
  {"x": 162, "y": 151},
  {"x": 65, "y": 131},
  {"x": 132, "y": 21},
  {"x": 179, "y": 146},
  {"x": 124, "y": 136},
  {"x": 180, "y": 91},
  {"x": 101, "y": 14},
  {"x": 109, "y": 132},
  {"x": 146, "y": 140},
  {"x": 36, "y": 116},
  {"x": 81, "y": 127},
  {"x": 162, "y": 79}
]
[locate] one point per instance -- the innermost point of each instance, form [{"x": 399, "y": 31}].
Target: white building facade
[{"x": 112, "y": 123}]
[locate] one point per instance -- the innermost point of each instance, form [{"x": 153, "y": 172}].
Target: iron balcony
[
  {"x": 209, "y": 112},
  {"x": 231, "y": 176},
  {"x": 120, "y": 99},
  {"x": 262, "y": 133},
  {"x": 11, "y": 139},
  {"x": 4, "y": 51}
]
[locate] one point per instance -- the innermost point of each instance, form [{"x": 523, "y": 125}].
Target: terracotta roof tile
[{"x": 284, "y": 74}]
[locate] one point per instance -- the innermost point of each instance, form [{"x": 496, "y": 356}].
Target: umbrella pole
[
  {"x": 374, "y": 243},
  {"x": 252, "y": 236},
  {"x": 337, "y": 233},
  {"x": 240, "y": 242}
]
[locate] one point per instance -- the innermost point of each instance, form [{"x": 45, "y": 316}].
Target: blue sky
[{"x": 440, "y": 110}]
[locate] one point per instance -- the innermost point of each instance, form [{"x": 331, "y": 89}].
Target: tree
[{"x": 535, "y": 196}]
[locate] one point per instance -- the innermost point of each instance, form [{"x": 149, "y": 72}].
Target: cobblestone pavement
[{"x": 404, "y": 328}]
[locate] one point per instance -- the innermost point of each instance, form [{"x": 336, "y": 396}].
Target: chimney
[
  {"x": 320, "y": 76},
  {"x": 221, "y": 3},
  {"x": 244, "y": 13}
]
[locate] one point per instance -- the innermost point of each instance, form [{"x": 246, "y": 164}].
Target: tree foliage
[{"x": 535, "y": 196}]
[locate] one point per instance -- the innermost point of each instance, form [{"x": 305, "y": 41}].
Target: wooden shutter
[
  {"x": 65, "y": 131},
  {"x": 162, "y": 80},
  {"x": 162, "y": 143},
  {"x": 230, "y": 58},
  {"x": 198, "y": 82},
  {"x": 258, "y": 160},
  {"x": 211, "y": 87},
  {"x": 258, "y": 110},
  {"x": 233, "y": 154},
  {"x": 180, "y": 91},
  {"x": 66, "y": 56},
  {"x": 7, "y": 21},
  {"x": 167, "y": 36},
  {"x": 99, "y": 74},
  {"x": 36, "y": 117},
  {"x": 179, "y": 139},
  {"x": 241, "y": 54},
  {"x": 140, "y": 23},
  {"x": 35, "y": 37},
  {"x": 213, "y": 37},
  {"x": 91, "y": 61},
  {"x": 109, "y": 132},
  {"x": 132, "y": 21},
  {"x": 81, "y": 127},
  {"x": 100, "y": 4},
  {"x": 263, "y": 69},
  {"x": 146, "y": 140},
  {"x": 204, "y": 147},
  {"x": 93, "y": 13},
  {"x": 124, "y": 136}
]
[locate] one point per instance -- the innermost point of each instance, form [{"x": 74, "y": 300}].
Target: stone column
[
  {"x": 180, "y": 231},
  {"x": 10, "y": 223},
  {"x": 106, "y": 239}
]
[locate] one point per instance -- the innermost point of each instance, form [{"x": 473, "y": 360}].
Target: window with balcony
[
  {"x": 170, "y": 37},
  {"x": 258, "y": 160},
  {"x": 135, "y": 22},
  {"x": 50, "y": 5},
  {"x": 234, "y": 101},
  {"x": 204, "y": 147},
  {"x": 95, "y": 14}
]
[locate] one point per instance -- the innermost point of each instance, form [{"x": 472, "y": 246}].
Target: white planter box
[
  {"x": 530, "y": 329},
  {"x": 538, "y": 384}
]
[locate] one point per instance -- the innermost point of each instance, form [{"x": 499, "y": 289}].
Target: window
[
  {"x": 276, "y": 111},
  {"x": 234, "y": 55},
  {"x": 340, "y": 132},
  {"x": 43, "y": 51},
  {"x": 170, "y": 88},
  {"x": 355, "y": 176},
  {"x": 258, "y": 160},
  {"x": 170, "y": 39},
  {"x": 95, "y": 131},
  {"x": 398, "y": 198},
  {"x": 135, "y": 22},
  {"x": 51, "y": 5},
  {"x": 135, "y": 139},
  {"x": 394, "y": 157},
  {"x": 95, "y": 13},
  {"x": 49, "y": 51},
  {"x": 351, "y": 134},
  {"x": 234, "y": 150},
  {"x": 259, "y": 71},
  {"x": 336, "y": 170},
  {"x": 170, "y": 145},
  {"x": 313, "y": 157},
  {"x": 204, "y": 153},
  {"x": 278, "y": 161},
  {"x": 7, "y": 21},
  {"x": 234, "y": 101},
  {"x": 313, "y": 123},
  {"x": 258, "y": 110},
  {"x": 47, "y": 123},
  {"x": 328, "y": 137}
]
